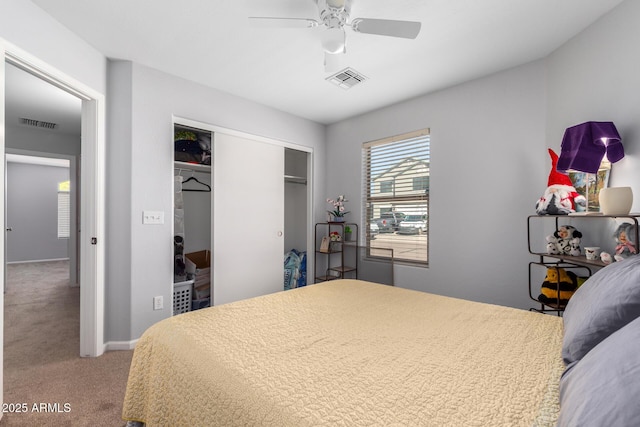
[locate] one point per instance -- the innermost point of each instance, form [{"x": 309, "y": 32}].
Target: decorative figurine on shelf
[
  {"x": 625, "y": 237},
  {"x": 564, "y": 241},
  {"x": 338, "y": 211},
  {"x": 335, "y": 238},
  {"x": 560, "y": 197},
  {"x": 606, "y": 257},
  {"x": 559, "y": 286},
  {"x": 625, "y": 241}
]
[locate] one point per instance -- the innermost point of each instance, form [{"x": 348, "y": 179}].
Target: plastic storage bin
[{"x": 182, "y": 296}]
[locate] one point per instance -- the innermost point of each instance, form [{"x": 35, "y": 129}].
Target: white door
[{"x": 248, "y": 218}]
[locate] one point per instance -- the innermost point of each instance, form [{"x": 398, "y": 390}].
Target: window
[
  {"x": 64, "y": 210},
  {"x": 386, "y": 187},
  {"x": 396, "y": 195},
  {"x": 421, "y": 183}
]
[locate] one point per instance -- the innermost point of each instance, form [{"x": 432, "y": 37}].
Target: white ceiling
[
  {"x": 211, "y": 42},
  {"x": 30, "y": 97}
]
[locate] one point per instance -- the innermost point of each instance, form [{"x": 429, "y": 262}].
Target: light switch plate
[{"x": 153, "y": 217}]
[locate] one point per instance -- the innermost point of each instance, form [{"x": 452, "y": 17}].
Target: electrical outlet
[
  {"x": 153, "y": 217},
  {"x": 158, "y": 303}
]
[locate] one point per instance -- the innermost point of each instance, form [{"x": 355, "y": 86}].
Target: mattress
[{"x": 348, "y": 352}]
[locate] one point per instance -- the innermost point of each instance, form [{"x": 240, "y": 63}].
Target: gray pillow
[
  {"x": 606, "y": 302},
  {"x": 602, "y": 389}
]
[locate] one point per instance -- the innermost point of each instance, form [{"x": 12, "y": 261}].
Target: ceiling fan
[{"x": 333, "y": 18}]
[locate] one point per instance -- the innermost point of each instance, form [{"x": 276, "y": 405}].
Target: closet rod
[
  {"x": 295, "y": 179},
  {"x": 191, "y": 167}
]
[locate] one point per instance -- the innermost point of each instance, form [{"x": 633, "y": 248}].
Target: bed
[{"x": 348, "y": 352}]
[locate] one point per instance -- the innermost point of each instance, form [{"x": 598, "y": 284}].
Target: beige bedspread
[{"x": 348, "y": 353}]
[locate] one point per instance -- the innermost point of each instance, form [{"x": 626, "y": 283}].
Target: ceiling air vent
[
  {"x": 347, "y": 78},
  {"x": 37, "y": 123}
]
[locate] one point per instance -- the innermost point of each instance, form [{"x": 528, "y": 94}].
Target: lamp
[{"x": 585, "y": 145}]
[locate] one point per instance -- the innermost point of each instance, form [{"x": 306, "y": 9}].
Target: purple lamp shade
[{"x": 584, "y": 146}]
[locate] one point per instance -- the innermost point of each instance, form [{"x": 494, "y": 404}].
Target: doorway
[
  {"x": 40, "y": 205},
  {"x": 42, "y": 145},
  {"x": 90, "y": 236}
]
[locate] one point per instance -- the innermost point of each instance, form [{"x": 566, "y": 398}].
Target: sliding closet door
[{"x": 248, "y": 219}]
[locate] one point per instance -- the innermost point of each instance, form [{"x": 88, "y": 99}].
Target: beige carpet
[{"x": 41, "y": 362}]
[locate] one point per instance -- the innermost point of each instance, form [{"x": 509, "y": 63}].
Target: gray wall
[
  {"x": 489, "y": 154},
  {"x": 596, "y": 76},
  {"x": 487, "y": 170},
  {"x": 42, "y": 141},
  {"x": 295, "y": 202},
  {"x": 197, "y": 214},
  {"x": 140, "y": 170},
  {"x": 32, "y": 212}
]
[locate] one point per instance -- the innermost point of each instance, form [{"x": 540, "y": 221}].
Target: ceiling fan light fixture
[
  {"x": 333, "y": 40},
  {"x": 336, "y": 4}
]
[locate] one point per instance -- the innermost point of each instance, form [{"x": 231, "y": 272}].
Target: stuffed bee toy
[
  {"x": 560, "y": 197},
  {"x": 558, "y": 286}
]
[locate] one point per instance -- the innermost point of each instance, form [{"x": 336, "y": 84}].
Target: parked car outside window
[
  {"x": 373, "y": 230},
  {"x": 390, "y": 222},
  {"x": 413, "y": 224}
]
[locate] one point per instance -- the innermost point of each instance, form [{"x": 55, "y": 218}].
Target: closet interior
[
  {"x": 192, "y": 218},
  {"x": 217, "y": 183},
  {"x": 296, "y": 223}
]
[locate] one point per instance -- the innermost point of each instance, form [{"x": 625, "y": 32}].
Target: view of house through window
[{"x": 396, "y": 195}]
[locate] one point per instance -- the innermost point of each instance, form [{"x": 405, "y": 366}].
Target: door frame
[{"x": 92, "y": 205}]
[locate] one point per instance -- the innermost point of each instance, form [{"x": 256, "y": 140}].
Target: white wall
[
  {"x": 146, "y": 136},
  {"x": 487, "y": 171},
  {"x": 596, "y": 76},
  {"x": 52, "y": 43}
]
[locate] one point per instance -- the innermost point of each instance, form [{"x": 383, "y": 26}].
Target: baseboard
[
  {"x": 120, "y": 345},
  {"x": 37, "y": 260}
]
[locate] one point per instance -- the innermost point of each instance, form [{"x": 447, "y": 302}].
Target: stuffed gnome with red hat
[{"x": 560, "y": 197}]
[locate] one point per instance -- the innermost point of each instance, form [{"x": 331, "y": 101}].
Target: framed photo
[
  {"x": 324, "y": 245},
  {"x": 589, "y": 186}
]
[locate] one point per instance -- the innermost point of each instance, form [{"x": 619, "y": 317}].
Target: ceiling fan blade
[
  {"x": 271, "y": 22},
  {"x": 387, "y": 27}
]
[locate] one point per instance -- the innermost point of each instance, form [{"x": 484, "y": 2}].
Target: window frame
[{"x": 414, "y": 200}]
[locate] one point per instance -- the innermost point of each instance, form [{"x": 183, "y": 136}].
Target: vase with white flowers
[{"x": 339, "y": 210}]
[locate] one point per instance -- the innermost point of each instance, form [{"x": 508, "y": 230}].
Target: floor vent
[
  {"x": 37, "y": 123},
  {"x": 347, "y": 78}
]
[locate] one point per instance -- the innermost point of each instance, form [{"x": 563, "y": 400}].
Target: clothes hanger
[{"x": 193, "y": 178}]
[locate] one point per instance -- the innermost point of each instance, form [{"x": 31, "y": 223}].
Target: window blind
[
  {"x": 396, "y": 194},
  {"x": 64, "y": 213}
]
